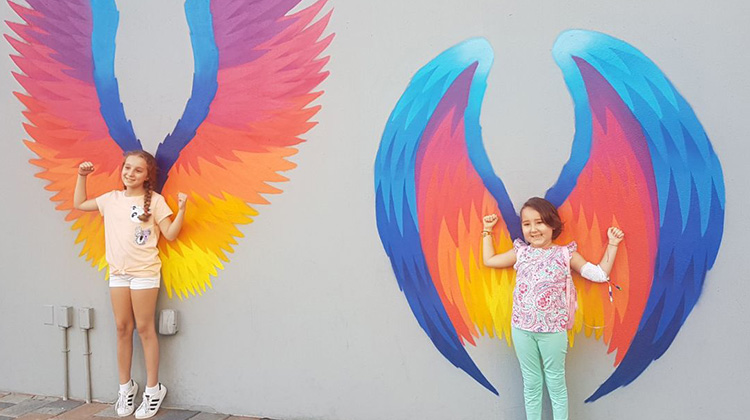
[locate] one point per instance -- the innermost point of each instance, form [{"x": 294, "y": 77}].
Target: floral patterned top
[{"x": 539, "y": 299}]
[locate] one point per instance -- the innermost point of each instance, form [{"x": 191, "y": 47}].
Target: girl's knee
[
  {"x": 146, "y": 332},
  {"x": 124, "y": 329},
  {"x": 532, "y": 388},
  {"x": 557, "y": 387}
]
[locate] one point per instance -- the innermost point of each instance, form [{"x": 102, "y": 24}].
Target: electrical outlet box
[
  {"x": 168, "y": 322},
  {"x": 48, "y": 314},
  {"x": 85, "y": 318},
  {"x": 64, "y": 316}
]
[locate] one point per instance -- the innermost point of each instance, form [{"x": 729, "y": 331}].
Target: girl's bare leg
[
  {"x": 144, "y": 308},
  {"x": 125, "y": 322}
]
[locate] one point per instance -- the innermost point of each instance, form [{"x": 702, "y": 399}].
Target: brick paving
[{"x": 15, "y": 406}]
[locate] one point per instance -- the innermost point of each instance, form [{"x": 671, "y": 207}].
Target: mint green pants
[{"x": 542, "y": 358}]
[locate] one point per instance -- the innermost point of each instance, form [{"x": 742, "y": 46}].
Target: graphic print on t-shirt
[
  {"x": 141, "y": 236},
  {"x": 135, "y": 212}
]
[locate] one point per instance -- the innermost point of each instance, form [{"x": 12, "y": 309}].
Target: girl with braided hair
[{"x": 134, "y": 218}]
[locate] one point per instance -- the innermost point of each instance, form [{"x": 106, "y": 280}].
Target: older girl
[{"x": 134, "y": 218}]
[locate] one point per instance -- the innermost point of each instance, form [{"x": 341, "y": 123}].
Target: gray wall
[{"x": 307, "y": 321}]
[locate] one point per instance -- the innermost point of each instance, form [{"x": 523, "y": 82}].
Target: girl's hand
[
  {"x": 615, "y": 235},
  {"x": 85, "y": 168},
  {"x": 489, "y": 221},
  {"x": 181, "y": 200}
]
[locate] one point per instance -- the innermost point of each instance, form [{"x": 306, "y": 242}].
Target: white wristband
[{"x": 594, "y": 273}]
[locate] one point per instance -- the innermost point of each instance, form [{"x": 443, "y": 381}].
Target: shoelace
[{"x": 121, "y": 399}]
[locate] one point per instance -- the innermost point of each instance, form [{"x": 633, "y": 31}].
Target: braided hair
[{"x": 150, "y": 181}]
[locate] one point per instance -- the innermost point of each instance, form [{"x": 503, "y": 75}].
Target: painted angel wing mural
[
  {"x": 256, "y": 68},
  {"x": 640, "y": 160}
]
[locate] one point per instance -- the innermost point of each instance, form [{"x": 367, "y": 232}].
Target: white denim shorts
[{"x": 134, "y": 283}]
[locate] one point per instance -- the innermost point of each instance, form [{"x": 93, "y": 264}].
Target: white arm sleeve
[{"x": 594, "y": 273}]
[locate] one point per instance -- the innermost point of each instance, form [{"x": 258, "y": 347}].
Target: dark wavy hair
[{"x": 548, "y": 212}]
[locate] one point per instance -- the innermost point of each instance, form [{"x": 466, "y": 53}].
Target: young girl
[
  {"x": 133, "y": 220},
  {"x": 540, "y": 306}
]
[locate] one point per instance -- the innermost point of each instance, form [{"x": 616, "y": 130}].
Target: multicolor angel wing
[
  {"x": 431, "y": 150},
  {"x": 255, "y": 71},
  {"x": 251, "y": 100},
  {"x": 640, "y": 161},
  {"x": 73, "y": 105}
]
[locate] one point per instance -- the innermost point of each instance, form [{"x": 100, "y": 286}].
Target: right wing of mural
[
  {"x": 256, "y": 69},
  {"x": 642, "y": 161},
  {"x": 433, "y": 184}
]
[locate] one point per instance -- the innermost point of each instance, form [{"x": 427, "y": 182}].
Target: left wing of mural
[
  {"x": 433, "y": 184},
  {"x": 256, "y": 67},
  {"x": 73, "y": 107}
]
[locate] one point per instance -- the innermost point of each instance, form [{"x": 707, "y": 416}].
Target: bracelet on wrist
[
  {"x": 486, "y": 233},
  {"x": 614, "y": 245}
]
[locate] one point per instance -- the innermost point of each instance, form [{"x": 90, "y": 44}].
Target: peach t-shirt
[{"x": 130, "y": 243}]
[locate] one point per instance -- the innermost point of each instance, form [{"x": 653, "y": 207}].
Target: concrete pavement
[{"x": 15, "y": 406}]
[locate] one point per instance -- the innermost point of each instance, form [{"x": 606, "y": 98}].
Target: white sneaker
[
  {"x": 125, "y": 399},
  {"x": 151, "y": 403}
]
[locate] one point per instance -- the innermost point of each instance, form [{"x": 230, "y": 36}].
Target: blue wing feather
[
  {"x": 205, "y": 85},
  {"x": 106, "y": 19}
]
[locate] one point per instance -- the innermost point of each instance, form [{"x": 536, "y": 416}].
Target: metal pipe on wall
[
  {"x": 64, "y": 321},
  {"x": 87, "y": 364},
  {"x": 85, "y": 322},
  {"x": 66, "y": 373}
]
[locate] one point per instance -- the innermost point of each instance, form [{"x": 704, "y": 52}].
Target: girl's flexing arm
[
  {"x": 615, "y": 236},
  {"x": 489, "y": 258},
  {"x": 79, "y": 195},
  {"x": 608, "y": 259},
  {"x": 171, "y": 228}
]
